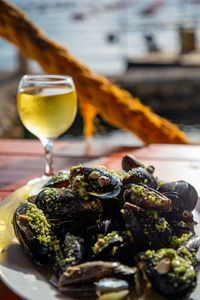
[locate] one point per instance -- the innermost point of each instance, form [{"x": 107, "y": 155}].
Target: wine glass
[{"x": 47, "y": 106}]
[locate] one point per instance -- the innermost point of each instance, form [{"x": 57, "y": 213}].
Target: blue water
[{"x": 87, "y": 39}]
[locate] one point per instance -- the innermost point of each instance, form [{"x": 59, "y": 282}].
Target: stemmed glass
[{"x": 47, "y": 106}]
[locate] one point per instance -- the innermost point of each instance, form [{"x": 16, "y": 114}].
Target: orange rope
[{"x": 96, "y": 93}]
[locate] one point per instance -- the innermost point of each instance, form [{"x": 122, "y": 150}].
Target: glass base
[{"x": 38, "y": 179}]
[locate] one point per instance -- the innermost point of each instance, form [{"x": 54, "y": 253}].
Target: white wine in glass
[{"x": 47, "y": 106}]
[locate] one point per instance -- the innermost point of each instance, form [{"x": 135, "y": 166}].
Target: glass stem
[{"x": 48, "y": 148}]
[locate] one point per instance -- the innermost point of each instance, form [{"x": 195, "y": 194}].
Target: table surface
[{"x": 22, "y": 160}]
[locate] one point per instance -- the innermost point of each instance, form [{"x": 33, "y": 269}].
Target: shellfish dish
[{"x": 118, "y": 233}]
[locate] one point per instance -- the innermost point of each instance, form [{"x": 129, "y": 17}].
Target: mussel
[
  {"x": 114, "y": 246},
  {"x": 59, "y": 180},
  {"x": 170, "y": 274},
  {"x": 146, "y": 197},
  {"x": 64, "y": 204},
  {"x": 95, "y": 270},
  {"x": 189, "y": 248},
  {"x": 97, "y": 182},
  {"x": 69, "y": 252},
  {"x": 33, "y": 232},
  {"x": 183, "y": 195},
  {"x": 148, "y": 229},
  {"x": 139, "y": 176},
  {"x": 116, "y": 289},
  {"x": 106, "y": 226},
  {"x": 130, "y": 162}
]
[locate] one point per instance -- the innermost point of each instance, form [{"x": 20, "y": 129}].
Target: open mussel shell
[
  {"x": 113, "y": 193},
  {"x": 97, "y": 182},
  {"x": 37, "y": 251},
  {"x": 110, "y": 284},
  {"x": 31, "y": 199}
]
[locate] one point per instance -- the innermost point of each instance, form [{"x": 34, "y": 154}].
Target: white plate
[{"x": 16, "y": 271}]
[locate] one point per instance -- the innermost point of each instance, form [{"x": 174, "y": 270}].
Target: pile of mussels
[{"x": 108, "y": 231}]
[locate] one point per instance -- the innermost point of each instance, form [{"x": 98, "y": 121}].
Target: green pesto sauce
[
  {"x": 79, "y": 185},
  {"x": 62, "y": 261},
  {"x": 152, "y": 213},
  {"x": 176, "y": 241},
  {"x": 162, "y": 225},
  {"x": 138, "y": 192},
  {"x": 137, "y": 174},
  {"x": 121, "y": 174},
  {"x": 38, "y": 223},
  {"x": 180, "y": 268},
  {"x": 78, "y": 167},
  {"x": 62, "y": 175},
  {"x": 103, "y": 241},
  {"x": 68, "y": 254},
  {"x": 94, "y": 175},
  {"x": 183, "y": 252},
  {"x": 154, "y": 221},
  {"x": 51, "y": 198}
]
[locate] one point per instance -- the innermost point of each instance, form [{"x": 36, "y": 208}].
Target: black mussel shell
[
  {"x": 148, "y": 229},
  {"x": 69, "y": 253},
  {"x": 37, "y": 250},
  {"x": 106, "y": 226},
  {"x": 130, "y": 162},
  {"x": 165, "y": 276},
  {"x": 97, "y": 288},
  {"x": 192, "y": 244},
  {"x": 184, "y": 191},
  {"x": 140, "y": 176},
  {"x": 146, "y": 197},
  {"x": 63, "y": 204},
  {"x": 59, "y": 180},
  {"x": 113, "y": 246},
  {"x": 97, "y": 182},
  {"x": 91, "y": 271}
]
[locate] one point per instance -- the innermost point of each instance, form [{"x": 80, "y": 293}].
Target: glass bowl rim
[{"x": 47, "y": 79}]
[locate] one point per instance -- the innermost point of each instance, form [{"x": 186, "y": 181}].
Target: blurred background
[{"x": 149, "y": 47}]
